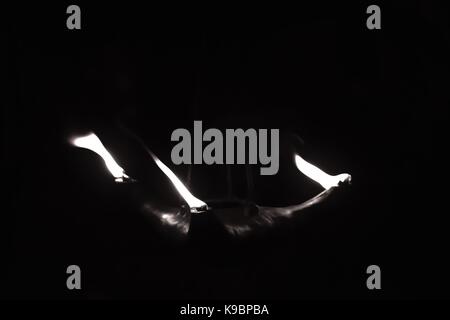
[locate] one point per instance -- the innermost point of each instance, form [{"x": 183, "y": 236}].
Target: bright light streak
[
  {"x": 324, "y": 179},
  {"x": 195, "y": 204},
  {"x": 93, "y": 143}
]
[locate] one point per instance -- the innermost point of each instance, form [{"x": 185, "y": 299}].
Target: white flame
[
  {"x": 324, "y": 179},
  {"x": 194, "y": 203},
  {"x": 93, "y": 143}
]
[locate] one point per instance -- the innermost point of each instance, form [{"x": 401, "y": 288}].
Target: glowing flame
[
  {"x": 324, "y": 179},
  {"x": 93, "y": 143},
  {"x": 195, "y": 204}
]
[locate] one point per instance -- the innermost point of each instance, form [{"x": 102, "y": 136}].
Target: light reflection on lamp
[{"x": 240, "y": 225}]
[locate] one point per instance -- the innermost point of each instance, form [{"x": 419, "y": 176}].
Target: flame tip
[
  {"x": 93, "y": 143},
  {"x": 324, "y": 179}
]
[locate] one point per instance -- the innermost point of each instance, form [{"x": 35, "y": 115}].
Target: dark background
[{"x": 369, "y": 102}]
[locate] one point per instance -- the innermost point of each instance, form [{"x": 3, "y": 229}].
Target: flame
[
  {"x": 324, "y": 179},
  {"x": 196, "y": 205},
  {"x": 93, "y": 143}
]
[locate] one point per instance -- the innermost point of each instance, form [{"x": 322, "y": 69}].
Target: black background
[{"x": 369, "y": 102}]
